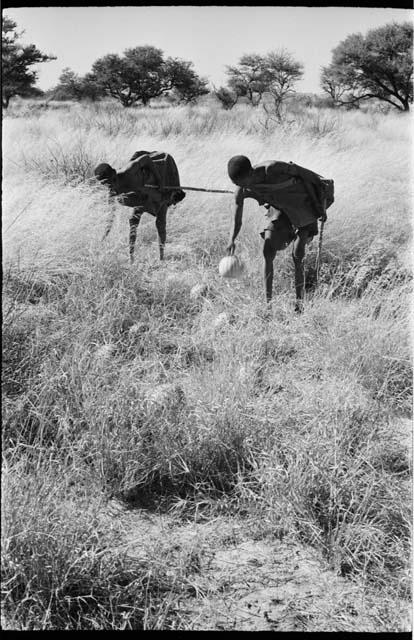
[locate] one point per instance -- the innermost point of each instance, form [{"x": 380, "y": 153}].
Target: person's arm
[{"x": 238, "y": 215}]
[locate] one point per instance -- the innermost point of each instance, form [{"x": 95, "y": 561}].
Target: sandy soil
[{"x": 247, "y": 584}]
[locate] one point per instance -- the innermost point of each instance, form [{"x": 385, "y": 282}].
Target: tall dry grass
[{"x": 116, "y": 378}]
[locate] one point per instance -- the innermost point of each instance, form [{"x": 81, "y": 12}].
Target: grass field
[{"x": 118, "y": 384}]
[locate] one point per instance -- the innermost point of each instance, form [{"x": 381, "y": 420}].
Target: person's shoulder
[
  {"x": 270, "y": 169},
  {"x": 129, "y": 165},
  {"x": 138, "y": 154},
  {"x": 158, "y": 155},
  {"x": 261, "y": 166},
  {"x": 137, "y": 161}
]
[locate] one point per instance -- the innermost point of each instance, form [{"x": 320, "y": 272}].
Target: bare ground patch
[{"x": 234, "y": 581}]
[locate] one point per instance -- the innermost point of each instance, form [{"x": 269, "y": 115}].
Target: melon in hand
[{"x": 231, "y": 267}]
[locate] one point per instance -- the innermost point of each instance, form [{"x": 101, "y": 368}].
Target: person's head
[
  {"x": 106, "y": 175},
  {"x": 239, "y": 169}
]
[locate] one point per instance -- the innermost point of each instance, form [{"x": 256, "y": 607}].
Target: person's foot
[
  {"x": 265, "y": 313},
  {"x": 299, "y": 306}
]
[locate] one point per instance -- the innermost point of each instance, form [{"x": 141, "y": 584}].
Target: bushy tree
[
  {"x": 283, "y": 72},
  {"x": 274, "y": 73},
  {"x": 18, "y": 79},
  {"x": 376, "y": 66},
  {"x": 90, "y": 89},
  {"x": 186, "y": 84},
  {"x": 249, "y": 78},
  {"x": 134, "y": 77},
  {"x": 68, "y": 87},
  {"x": 334, "y": 83},
  {"x": 227, "y": 97},
  {"x": 71, "y": 86},
  {"x": 142, "y": 74}
]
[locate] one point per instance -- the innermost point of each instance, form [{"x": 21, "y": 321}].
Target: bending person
[{"x": 293, "y": 208}]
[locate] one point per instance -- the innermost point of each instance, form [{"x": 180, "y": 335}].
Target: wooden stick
[
  {"x": 318, "y": 255},
  {"x": 151, "y": 186}
]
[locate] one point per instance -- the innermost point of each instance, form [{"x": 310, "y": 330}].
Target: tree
[
  {"x": 135, "y": 77},
  {"x": 108, "y": 73},
  {"x": 90, "y": 90},
  {"x": 377, "y": 66},
  {"x": 283, "y": 72},
  {"x": 71, "y": 86},
  {"x": 337, "y": 83},
  {"x": 17, "y": 77},
  {"x": 333, "y": 83},
  {"x": 227, "y": 98},
  {"x": 249, "y": 78},
  {"x": 142, "y": 74},
  {"x": 274, "y": 73},
  {"x": 186, "y": 85}
]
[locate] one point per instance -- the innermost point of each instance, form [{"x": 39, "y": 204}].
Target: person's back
[
  {"x": 166, "y": 168},
  {"x": 278, "y": 187},
  {"x": 156, "y": 169}
]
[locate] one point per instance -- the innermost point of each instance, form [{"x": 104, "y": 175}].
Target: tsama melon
[{"x": 230, "y": 267}]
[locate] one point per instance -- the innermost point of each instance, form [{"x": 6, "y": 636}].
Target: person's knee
[
  {"x": 298, "y": 254},
  {"x": 161, "y": 217},
  {"x": 133, "y": 226},
  {"x": 161, "y": 225},
  {"x": 162, "y": 233},
  {"x": 299, "y": 248},
  {"x": 135, "y": 216},
  {"x": 269, "y": 251}
]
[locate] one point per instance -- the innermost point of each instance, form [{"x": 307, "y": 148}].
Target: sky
[{"x": 210, "y": 36}]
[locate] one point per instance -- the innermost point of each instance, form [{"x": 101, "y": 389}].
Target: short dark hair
[
  {"x": 104, "y": 173},
  {"x": 238, "y": 167}
]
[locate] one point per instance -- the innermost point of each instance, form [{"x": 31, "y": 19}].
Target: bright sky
[{"x": 210, "y": 36}]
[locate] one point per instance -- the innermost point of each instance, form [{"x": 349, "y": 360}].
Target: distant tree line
[
  {"x": 377, "y": 66},
  {"x": 138, "y": 76},
  {"x": 255, "y": 76}
]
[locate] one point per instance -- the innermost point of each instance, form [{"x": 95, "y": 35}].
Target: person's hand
[{"x": 231, "y": 248}]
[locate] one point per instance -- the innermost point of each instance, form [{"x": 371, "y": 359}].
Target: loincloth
[{"x": 277, "y": 220}]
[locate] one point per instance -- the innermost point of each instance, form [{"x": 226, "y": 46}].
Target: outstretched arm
[{"x": 238, "y": 216}]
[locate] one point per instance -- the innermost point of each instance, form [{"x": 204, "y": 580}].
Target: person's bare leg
[
  {"x": 161, "y": 224},
  {"x": 298, "y": 255},
  {"x": 269, "y": 254},
  {"x": 109, "y": 223},
  {"x": 133, "y": 225}
]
